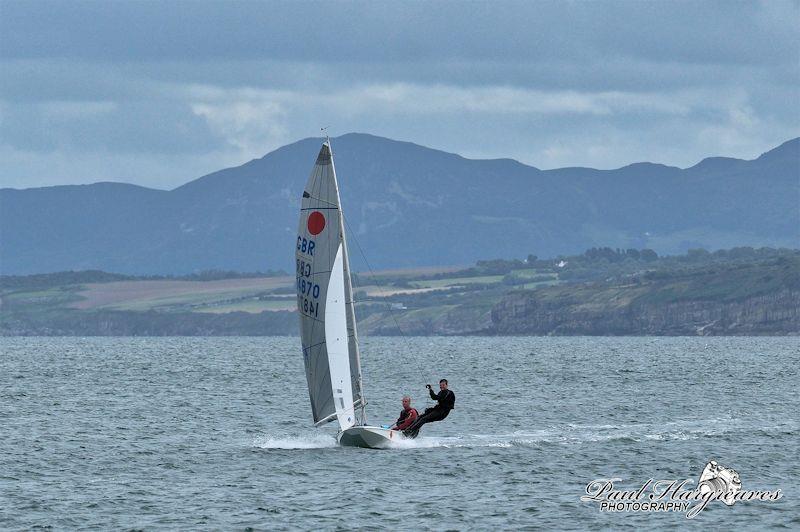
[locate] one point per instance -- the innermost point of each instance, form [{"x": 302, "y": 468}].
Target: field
[
  {"x": 458, "y": 281},
  {"x": 177, "y": 295},
  {"x": 250, "y": 305},
  {"x": 251, "y": 295},
  {"x": 414, "y": 296}
]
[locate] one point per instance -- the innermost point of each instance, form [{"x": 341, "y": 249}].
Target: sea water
[{"x": 215, "y": 433}]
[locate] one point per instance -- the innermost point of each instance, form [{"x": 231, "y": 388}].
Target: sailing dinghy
[{"x": 328, "y": 328}]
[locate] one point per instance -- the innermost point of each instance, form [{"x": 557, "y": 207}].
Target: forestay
[{"x": 325, "y": 302}]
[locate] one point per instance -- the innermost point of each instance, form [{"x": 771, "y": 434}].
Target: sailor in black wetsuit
[{"x": 446, "y": 402}]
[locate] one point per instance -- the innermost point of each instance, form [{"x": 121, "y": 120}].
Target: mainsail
[{"x": 325, "y": 301}]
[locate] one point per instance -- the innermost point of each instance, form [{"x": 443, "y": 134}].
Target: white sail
[
  {"x": 336, "y": 340},
  {"x": 352, "y": 328},
  {"x": 324, "y": 300}
]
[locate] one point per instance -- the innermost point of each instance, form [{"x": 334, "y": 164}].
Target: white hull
[{"x": 370, "y": 437}]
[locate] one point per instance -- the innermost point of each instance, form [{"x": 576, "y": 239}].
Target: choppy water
[{"x": 190, "y": 433}]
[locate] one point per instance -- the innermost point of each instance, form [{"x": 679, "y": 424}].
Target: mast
[{"x": 349, "y": 300}]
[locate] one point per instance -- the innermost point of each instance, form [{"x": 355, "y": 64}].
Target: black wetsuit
[{"x": 446, "y": 402}]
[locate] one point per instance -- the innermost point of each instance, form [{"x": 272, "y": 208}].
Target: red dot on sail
[{"x": 316, "y": 223}]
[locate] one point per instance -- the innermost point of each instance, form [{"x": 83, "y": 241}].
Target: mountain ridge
[
  {"x": 789, "y": 144},
  {"x": 443, "y": 208}
]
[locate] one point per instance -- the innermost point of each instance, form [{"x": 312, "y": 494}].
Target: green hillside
[{"x": 602, "y": 291}]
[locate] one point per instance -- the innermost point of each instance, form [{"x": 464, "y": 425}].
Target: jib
[{"x": 305, "y": 246}]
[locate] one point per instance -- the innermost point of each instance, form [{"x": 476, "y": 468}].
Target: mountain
[{"x": 406, "y": 205}]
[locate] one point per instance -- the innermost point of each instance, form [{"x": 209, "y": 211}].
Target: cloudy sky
[{"x": 159, "y": 93}]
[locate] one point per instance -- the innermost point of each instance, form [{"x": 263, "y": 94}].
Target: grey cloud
[
  {"x": 182, "y": 87},
  {"x": 136, "y": 127},
  {"x": 49, "y": 79},
  {"x": 700, "y": 32}
]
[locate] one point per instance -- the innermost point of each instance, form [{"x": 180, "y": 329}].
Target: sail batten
[{"x": 325, "y": 302}]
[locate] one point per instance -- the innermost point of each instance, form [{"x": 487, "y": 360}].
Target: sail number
[
  {"x": 303, "y": 268},
  {"x": 307, "y": 288},
  {"x": 305, "y": 245},
  {"x": 307, "y": 292},
  {"x": 308, "y": 307}
]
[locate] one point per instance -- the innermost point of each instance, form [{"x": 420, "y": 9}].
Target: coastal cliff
[{"x": 623, "y": 314}]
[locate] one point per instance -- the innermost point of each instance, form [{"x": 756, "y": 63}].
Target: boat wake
[
  {"x": 567, "y": 434},
  {"x": 314, "y": 441},
  {"x": 447, "y": 442},
  {"x": 572, "y": 434}
]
